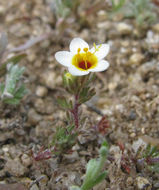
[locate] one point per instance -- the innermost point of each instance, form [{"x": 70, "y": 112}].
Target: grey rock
[
  {"x": 136, "y": 58},
  {"x": 41, "y": 91},
  {"x": 124, "y": 28},
  {"x": 26, "y": 160},
  {"x": 143, "y": 183},
  {"x": 15, "y": 168},
  {"x": 33, "y": 117}
]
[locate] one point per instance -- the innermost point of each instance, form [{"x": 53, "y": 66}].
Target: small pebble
[
  {"x": 129, "y": 181},
  {"x": 43, "y": 129},
  {"x": 143, "y": 183},
  {"x": 132, "y": 135},
  {"x": 26, "y": 181},
  {"x": 136, "y": 58},
  {"x": 26, "y": 160},
  {"x": 43, "y": 181},
  {"x": 137, "y": 144},
  {"x": 41, "y": 91},
  {"x": 156, "y": 28},
  {"x": 70, "y": 158},
  {"x": 39, "y": 105},
  {"x": 102, "y": 15},
  {"x": 15, "y": 168},
  {"x": 49, "y": 79},
  {"x": 156, "y": 184},
  {"x": 13, "y": 186},
  {"x": 132, "y": 115},
  {"x": 124, "y": 28},
  {"x": 33, "y": 117},
  {"x": 2, "y": 10},
  {"x": 34, "y": 187}
]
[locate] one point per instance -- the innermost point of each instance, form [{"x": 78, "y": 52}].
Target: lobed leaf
[{"x": 14, "y": 60}]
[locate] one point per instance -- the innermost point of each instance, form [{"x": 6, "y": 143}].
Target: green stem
[{"x": 75, "y": 112}]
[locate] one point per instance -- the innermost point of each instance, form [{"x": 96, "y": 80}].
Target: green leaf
[
  {"x": 117, "y": 6},
  {"x": 74, "y": 188},
  {"x": 21, "y": 91},
  {"x": 92, "y": 164},
  {"x": 146, "y": 153},
  {"x": 2, "y": 86},
  {"x": 12, "y": 101},
  {"x": 13, "y": 60},
  {"x": 152, "y": 150},
  {"x": 64, "y": 103},
  {"x": 13, "y": 89},
  {"x": 154, "y": 168},
  {"x": 63, "y": 139},
  {"x": 13, "y": 76},
  {"x": 100, "y": 178},
  {"x": 155, "y": 154},
  {"x": 16, "y": 59}
]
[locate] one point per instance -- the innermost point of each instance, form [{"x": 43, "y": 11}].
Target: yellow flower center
[{"x": 85, "y": 60}]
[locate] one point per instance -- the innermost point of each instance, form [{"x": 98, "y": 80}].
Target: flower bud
[
  {"x": 68, "y": 79},
  {"x": 104, "y": 149}
]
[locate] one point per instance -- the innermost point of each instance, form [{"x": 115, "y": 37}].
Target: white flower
[{"x": 81, "y": 60}]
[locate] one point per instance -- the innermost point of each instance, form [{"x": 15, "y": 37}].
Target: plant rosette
[{"x": 81, "y": 60}]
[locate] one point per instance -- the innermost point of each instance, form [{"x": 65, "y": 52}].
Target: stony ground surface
[{"x": 127, "y": 93}]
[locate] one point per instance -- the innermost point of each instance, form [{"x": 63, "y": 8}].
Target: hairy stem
[{"x": 75, "y": 112}]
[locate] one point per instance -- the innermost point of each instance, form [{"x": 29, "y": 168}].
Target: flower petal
[
  {"x": 102, "y": 52},
  {"x": 76, "y": 72},
  {"x": 101, "y": 66},
  {"x": 64, "y": 58},
  {"x": 77, "y": 43}
]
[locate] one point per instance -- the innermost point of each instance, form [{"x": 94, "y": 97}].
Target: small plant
[
  {"x": 63, "y": 8},
  {"x": 80, "y": 62},
  {"x": 141, "y": 10},
  {"x": 42, "y": 154},
  {"x": 80, "y": 91},
  {"x": 149, "y": 158},
  {"x": 63, "y": 140},
  {"x": 94, "y": 174},
  {"x": 116, "y": 6},
  {"x": 13, "y": 89}
]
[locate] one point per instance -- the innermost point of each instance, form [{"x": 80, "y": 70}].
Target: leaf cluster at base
[
  {"x": 149, "y": 157},
  {"x": 13, "y": 90},
  {"x": 63, "y": 140}
]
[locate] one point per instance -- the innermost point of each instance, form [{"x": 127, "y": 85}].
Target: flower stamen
[
  {"x": 85, "y": 57},
  {"x": 85, "y": 49},
  {"x": 96, "y": 48},
  {"x": 79, "y": 49}
]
